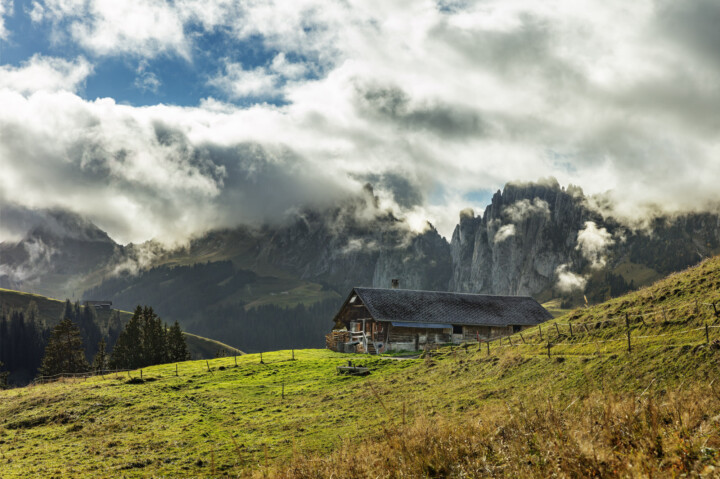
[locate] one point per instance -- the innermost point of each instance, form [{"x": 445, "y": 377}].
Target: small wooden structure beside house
[{"x": 375, "y": 320}]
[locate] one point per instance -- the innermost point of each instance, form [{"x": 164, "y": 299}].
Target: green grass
[
  {"x": 205, "y": 348},
  {"x": 235, "y": 420},
  {"x": 640, "y": 274},
  {"x": 554, "y": 308},
  {"x": 167, "y": 424},
  {"x": 304, "y": 293}
]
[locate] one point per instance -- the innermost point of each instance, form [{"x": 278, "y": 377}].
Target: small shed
[{"x": 375, "y": 320}]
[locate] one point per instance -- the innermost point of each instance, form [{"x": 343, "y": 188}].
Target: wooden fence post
[
  {"x": 176, "y": 370},
  {"x": 236, "y": 360},
  {"x": 261, "y": 359},
  {"x": 548, "y": 348},
  {"x": 488, "y": 347},
  {"x": 540, "y": 327},
  {"x": 627, "y": 325},
  {"x": 141, "y": 374},
  {"x": 521, "y": 337},
  {"x": 283, "y": 389},
  {"x": 510, "y": 341},
  {"x": 707, "y": 333},
  {"x": 293, "y": 354},
  {"x": 571, "y": 331},
  {"x": 714, "y": 308},
  {"x": 557, "y": 329},
  {"x": 665, "y": 314},
  {"x": 208, "y": 366},
  {"x": 586, "y": 328}
]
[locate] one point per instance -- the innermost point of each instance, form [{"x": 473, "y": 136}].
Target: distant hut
[{"x": 99, "y": 305}]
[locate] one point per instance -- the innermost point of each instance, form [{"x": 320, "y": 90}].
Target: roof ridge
[{"x": 445, "y": 292}]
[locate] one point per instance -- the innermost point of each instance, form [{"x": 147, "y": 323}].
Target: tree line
[{"x": 76, "y": 344}]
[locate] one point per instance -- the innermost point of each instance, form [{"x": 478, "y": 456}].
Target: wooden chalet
[{"x": 374, "y": 320}]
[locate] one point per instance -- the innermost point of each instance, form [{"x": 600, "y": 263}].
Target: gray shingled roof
[{"x": 452, "y": 308}]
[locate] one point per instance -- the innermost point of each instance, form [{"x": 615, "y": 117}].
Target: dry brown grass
[{"x": 651, "y": 435}]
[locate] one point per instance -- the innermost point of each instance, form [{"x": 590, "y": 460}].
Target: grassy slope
[
  {"x": 235, "y": 421},
  {"x": 554, "y": 308},
  {"x": 51, "y": 310}
]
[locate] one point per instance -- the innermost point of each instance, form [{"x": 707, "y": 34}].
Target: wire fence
[
  {"x": 576, "y": 334},
  {"x": 84, "y": 375}
]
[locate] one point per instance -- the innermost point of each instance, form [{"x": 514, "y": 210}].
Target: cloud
[
  {"x": 146, "y": 80},
  {"x": 137, "y": 258},
  {"x": 504, "y": 233},
  {"x": 593, "y": 243},
  {"x": 6, "y": 9},
  {"x": 37, "y": 258},
  {"x": 523, "y": 209},
  {"x": 567, "y": 281},
  {"x": 144, "y": 28},
  {"x": 237, "y": 82},
  {"x": 162, "y": 172},
  {"x": 291, "y": 70},
  {"x": 617, "y": 98},
  {"x": 41, "y": 73}
]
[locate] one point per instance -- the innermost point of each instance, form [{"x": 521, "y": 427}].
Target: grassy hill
[
  {"x": 589, "y": 408},
  {"x": 52, "y": 309}
]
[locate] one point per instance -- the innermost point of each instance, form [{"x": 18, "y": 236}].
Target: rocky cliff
[{"x": 544, "y": 240}]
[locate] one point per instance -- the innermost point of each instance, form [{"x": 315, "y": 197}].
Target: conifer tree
[
  {"x": 100, "y": 362},
  {"x": 154, "y": 342},
  {"x": 87, "y": 321},
  {"x": 177, "y": 346},
  {"x": 127, "y": 352},
  {"x": 64, "y": 352},
  {"x": 115, "y": 327}
]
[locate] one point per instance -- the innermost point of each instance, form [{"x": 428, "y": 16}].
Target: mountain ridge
[{"x": 538, "y": 239}]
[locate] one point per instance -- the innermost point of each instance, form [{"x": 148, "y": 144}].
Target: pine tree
[
  {"x": 127, "y": 352},
  {"x": 64, "y": 352},
  {"x": 100, "y": 362},
  {"x": 154, "y": 341},
  {"x": 177, "y": 347},
  {"x": 115, "y": 327},
  {"x": 87, "y": 321}
]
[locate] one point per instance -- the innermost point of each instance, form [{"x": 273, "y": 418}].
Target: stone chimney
[{"x": 394, "y": 283}]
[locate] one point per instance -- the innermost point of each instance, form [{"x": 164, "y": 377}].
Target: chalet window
[
  {"x": 352, "y": 300},
  {"x": 457, "y": 329}
]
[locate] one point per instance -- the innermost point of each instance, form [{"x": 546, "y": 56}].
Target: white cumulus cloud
[
  {"x": 567, "y": 281},
  {"x": 504, "y": 233},
  {"x": 237, "y": 82},
  {"x": 6, "y": 9},
  {"x": 617, "y": 97},
  {"x": 41, "y": 73},
  {"x": 593, "y": 243}
]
